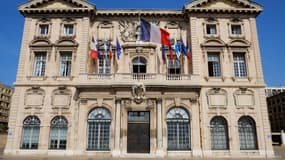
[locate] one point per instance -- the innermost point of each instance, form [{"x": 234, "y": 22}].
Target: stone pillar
[
  {"x": 282, "y": 138},
  {"x": 117, "y": 149},
  {"x": 159, "y": 128},
  {"x": 196, "y": 134}
]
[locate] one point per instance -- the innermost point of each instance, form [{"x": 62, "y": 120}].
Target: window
[
  {"x": 43, "y": 29},
  {"x": 178, "y": 130},
  {"x": 214, "y": 67},
  {"x": 65, "y": 64},
  {"x": 173, "y": 66},
  {"x": 58, "y": 133},
  {"x": 236, "y": 29},
  {"x": 104, "y": 65},
  {"x": 219, "y": 133},
  {"x": 247, "y": 133},
  {"x": 139, "y": 65},
  {"x": 239, "y": 65},
  {"x": 211, "y": 29},
  {"x": 99, "y": 121},
  {"x": 68, "y": 29},
  {"x": 31, "y": 131},
  {"x": 40, "y": 64}
]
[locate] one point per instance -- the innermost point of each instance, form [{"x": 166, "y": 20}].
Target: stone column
[
  {"x": 159, "y": 128},
  {"x": 196, "y": 134},
  {"x": 117, "y": 149}
]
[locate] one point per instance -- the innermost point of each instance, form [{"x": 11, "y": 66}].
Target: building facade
[
  {"x": 276, "y": 110},
  {"x": 271, "y": 91},
  {"x": 134, "y": 100},
  {"x": 5, "y": 103}
]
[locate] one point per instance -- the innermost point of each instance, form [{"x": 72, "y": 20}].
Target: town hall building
[{"x": 202, "y": 95}]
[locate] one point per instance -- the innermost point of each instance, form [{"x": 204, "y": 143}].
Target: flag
[
  {"x": 183, "y": 47},
  {"x": 189, "y": 53},
  {"x": 163, "y": 52},
  {"x": 171, "y": 54},
  {"x": 153, "y": 33},
  {"x": 118, "y": 48},
  {"x": 105, "y": 47},
  {"x": 176, "y": 48},
  {"x": 110, "y": 54},
  {"x": 93, "y": 51},
  {"x": 98, "y": 49}
]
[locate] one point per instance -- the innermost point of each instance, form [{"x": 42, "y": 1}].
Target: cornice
[{"x": 138, "y": 12}]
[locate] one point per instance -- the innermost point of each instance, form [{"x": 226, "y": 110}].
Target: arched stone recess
[
  {"x": 61, "y": 98},
  {"x": 213, "y": 42},
  {"x": 239, "y": 43},
  {"x": 34, "y": 98},
  {"x": 217, "y": 98},
  {"x": 244, "y": 98}
]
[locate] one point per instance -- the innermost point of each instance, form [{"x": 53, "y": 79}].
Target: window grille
[
  {"x": 58, "y": 133},
  {"x": 99, "y": 122},
  {"x": 178, "y": 130},
  {"x": 247, "y": 133},
  {"x": 31, "y": 130},
  {"x": 219, "y": 134}
]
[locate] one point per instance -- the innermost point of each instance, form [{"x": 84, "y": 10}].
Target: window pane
[
  {"x": 68, "y": 29},
  {"x": 31, "y": 130},
  {"x": 40, "y": 64},
  {"x": 43, "y": 29},
  {"x": 211, "y": 29},
  {"x": 236, "y": 29},
  {"x": 239, "y": 65},
  {"x": 214, "y": 65},
  {"x": 58, "y": 133},
  {"x": 104, "y": 65},
  {"x": 65, "y": 64}
]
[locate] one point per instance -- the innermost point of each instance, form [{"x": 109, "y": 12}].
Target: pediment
[
  {"x": 40, "y": 43},
  {"x": 56, "y": 5},
  {"x": 239, "y": 43},
  {"x": 66, "y": 42},
  {"x": 223, "y": 5},
  {"x": 213, "y": 43}
]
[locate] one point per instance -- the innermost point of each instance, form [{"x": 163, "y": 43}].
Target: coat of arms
[{"x": 138, "y": 92}]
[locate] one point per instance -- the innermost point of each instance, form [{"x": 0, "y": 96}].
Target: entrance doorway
[{"x": 138, "y": 138}]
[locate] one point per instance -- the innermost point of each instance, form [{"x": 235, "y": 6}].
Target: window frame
[
  {"x": 211, "y": 23},
  {"x": 33, "y": 124},
  {"x": 219, "y": 64},
  {"x": 63, "y": 125},
  {"x": 38, "y": 29},
  {"x": 230, "y": 29},
  {"x": 254, "y": 132},
  {"x": 239, "y": 68},
  {"x": 35, "y": 63},
  {"x": 226, "y": 133},
  {"x": 70, "y": 59},
  {"x": 63, "y": 29}
]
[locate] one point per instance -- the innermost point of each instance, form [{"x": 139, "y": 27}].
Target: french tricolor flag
[{"x": 153, "y": 33}]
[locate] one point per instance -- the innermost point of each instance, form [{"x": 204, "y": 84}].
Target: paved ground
[{"x": 279, "y": 151}]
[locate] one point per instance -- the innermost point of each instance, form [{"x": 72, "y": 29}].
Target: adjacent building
[
  {"x": 5, "y": 102},
  {"x": 276, "y": 109},
  {"x": 271, "y": 91},
  {"x": 132, "y": 98}
]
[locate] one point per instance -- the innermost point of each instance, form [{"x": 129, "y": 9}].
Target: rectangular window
[
  {"x": 43, "y": 29},
  {"x": 214, "y": 66},
  {"x": 104, "y": 65},
  {"x": 68, "y": 29},
  {"x": 240, "y": 65},
  {"x": 211, "y": 29},
  {"x": 65, "y": 64},
  {"x": 236, "y": 29},
  {"x": 40, "y": 64}
]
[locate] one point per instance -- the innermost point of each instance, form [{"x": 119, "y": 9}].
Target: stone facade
[
  {"x": 5, "y": 102},
  {"x": 202, "y": 106},
  {"x": 276, "y": 105}
]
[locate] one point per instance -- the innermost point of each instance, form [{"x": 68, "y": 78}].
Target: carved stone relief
[
  {"x": 61, "y": 98},
  {"x": 34, "y": 98}
]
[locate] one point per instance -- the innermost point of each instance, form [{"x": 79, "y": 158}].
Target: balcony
[{"x": 129, "y": 78}]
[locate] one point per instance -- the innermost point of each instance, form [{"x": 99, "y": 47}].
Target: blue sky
[{"x": 271, "y": 25}]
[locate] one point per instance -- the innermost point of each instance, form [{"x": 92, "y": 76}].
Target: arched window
[
  {"x": 99, "y": 122},
  {"x": 139, "y": 65},
  {"x": 219, "y": 133},
  {"x": 247, "y": 133},
  {"x": 58, "y": 133},
  {"x": 178, "y": 129},
  {"x": 31, "y": 131}
]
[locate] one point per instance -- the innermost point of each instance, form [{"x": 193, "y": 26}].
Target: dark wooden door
[{"x": 138, "y": 133}]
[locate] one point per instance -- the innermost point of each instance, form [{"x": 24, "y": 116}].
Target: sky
[{"x": 270, "y": 23}]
